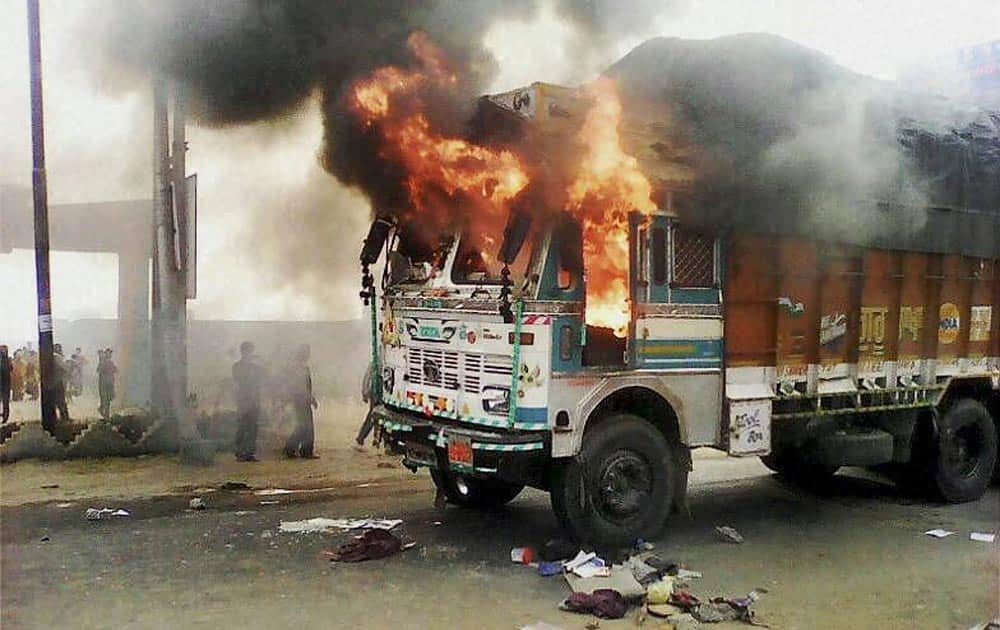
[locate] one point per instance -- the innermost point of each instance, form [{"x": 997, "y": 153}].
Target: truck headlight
[{"x": 496, "y": 399}]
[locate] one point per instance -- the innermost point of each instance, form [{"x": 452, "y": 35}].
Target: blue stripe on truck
[{"x": 533, "y": 415}]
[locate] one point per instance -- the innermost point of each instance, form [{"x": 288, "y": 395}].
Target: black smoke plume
[{"x": 244, "y": 61}]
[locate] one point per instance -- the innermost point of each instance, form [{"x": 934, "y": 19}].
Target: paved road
[{"x": 855, "y": 558}]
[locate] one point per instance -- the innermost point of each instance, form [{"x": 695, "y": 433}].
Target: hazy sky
[{"x": 93, "y": 135}]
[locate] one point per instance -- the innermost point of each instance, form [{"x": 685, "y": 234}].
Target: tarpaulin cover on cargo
[{"x": 754, "y": 132}]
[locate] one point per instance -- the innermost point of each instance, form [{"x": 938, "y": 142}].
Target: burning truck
[{"x": 776, "y": 263}]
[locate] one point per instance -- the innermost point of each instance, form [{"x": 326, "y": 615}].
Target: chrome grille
[
  {"x": 454, "y": 370},
  {"x": 444, "y": 372},
  {"x": 472, "y": 370}
]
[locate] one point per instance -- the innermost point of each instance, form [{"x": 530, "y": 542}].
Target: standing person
[
  {"x": 17, "y": 375},
  {"x": 31, "y": 374},
  {"x": 6, "y": 374},
  {"x": 76, "y": 365},
  {"x": 369, "y": 423},
  {"x": 248, "y": 376},
  {"x": 106, "y": 371},
  {"x": 60, "y": 376},
  {"x": 300, "y": 394}
]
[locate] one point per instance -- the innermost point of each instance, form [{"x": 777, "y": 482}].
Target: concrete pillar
[{"x": 132, "y": 354}]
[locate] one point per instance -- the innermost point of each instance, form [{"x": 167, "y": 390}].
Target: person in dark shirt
[
  {"x": 106, "y": 371},
  {"x": 6, "y": 373},
  {"x": 300, "y": 394},
  {"x": 60, "y": 379},
  {"x": 248, "y": 377}
]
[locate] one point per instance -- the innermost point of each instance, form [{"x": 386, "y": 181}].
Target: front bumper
[{"x": 518, "y": 457}]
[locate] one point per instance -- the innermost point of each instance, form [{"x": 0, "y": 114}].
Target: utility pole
[
  {"x": 40, "y": 187},
  {"x": 169, "y": 324},
  {"x": 162, "y": 212}
]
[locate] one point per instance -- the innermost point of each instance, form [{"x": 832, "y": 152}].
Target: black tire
[
  {"x": 965, "y": 452},
  {"x": 473, "y": 492},
  {"x": 621, "y": 485}
]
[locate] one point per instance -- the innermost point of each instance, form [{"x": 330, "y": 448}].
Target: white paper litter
[
  {"x": 938, "y": 533},
  {"x": 94, "y": 514},
  {"x": 684, "y": 574},
  {"x": 981, "y": 537},
  {"x": 270, "y": 492},
  {"x": 590, "y": 570},
  {"x": 321, "y": 524},
  {"x": 581, "y": 558}
]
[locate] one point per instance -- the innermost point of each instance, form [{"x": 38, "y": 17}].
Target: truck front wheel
[
  {"x": 966, "y": 452},
  {"x": 474, "y": 492},
  {"x": 621, "y": 485}
]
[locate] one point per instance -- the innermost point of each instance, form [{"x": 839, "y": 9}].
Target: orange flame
[
  {"x": 434, "y": 162},
  {"x": 608, "y": 185},
  {"x": 605, "y": 187}
]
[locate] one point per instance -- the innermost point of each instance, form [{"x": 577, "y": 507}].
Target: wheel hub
[
  {"x": 962, "y": 450},
  {"x": 624, "y": 486}
]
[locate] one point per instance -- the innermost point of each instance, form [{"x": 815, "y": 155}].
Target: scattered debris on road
[
  {"x": 541, "y": 625},
  {"x": 981, "y": 537},
  {"x": 234, "y": 485},
  {"x": 65, "y": 505},
  {"x": 938, "y": 533},
  {"x": 728, "y": 534},
  {"x": 50, "y": 486},
  {"x": 196, "y": 504},
  {"x": 272, "y": 502},
  {"x": 270, "y": 492},
  {"x": 658, "y": 593},
  {"x": 321, "y": 524},
  {"x": 95, "y": 514},
  {"x": 605, "y": 603},
  {"x": 44, "y": 538},
  {"x": 371, "y": 545},
  {"x": 618, "y": 578},
  {"x": 522, "y": 555}
]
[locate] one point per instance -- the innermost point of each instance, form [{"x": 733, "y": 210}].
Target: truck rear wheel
[
  {"x": 966, "y": 452},
  {"x": 621, "y": 485},
  {"x": 474, "y": 492}
]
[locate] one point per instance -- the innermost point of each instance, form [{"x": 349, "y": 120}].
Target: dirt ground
[
  {"x": 855, "y": 557},
  {"x": 155, "y": 475}
]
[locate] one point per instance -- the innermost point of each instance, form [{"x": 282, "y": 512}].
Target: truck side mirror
[
  {"x": 514, "y": 235},
  {"x": 375, "y": 240}
]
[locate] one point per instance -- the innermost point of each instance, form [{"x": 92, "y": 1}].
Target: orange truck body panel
[{"x": 791, "y": 303}]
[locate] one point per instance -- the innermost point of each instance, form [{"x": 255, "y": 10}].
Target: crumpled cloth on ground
[
  {"x": 604, "y": 603},
  {"x": 371, "y": 545}
]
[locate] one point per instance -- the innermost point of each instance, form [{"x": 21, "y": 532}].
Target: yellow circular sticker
[{"x": 950, "y": 323}]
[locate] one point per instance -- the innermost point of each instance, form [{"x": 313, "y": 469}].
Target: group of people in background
[
  {"x": 295, "y": 388},
  {"x": 20, "y": 379}
]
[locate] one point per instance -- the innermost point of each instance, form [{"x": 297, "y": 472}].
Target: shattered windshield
[{"x": 478, "y": 262}]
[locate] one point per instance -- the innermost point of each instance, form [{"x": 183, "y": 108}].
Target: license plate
[{"x": 459, "y": 452}]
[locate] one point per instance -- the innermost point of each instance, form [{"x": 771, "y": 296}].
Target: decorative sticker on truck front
[{"x": 950, "y": 323}]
